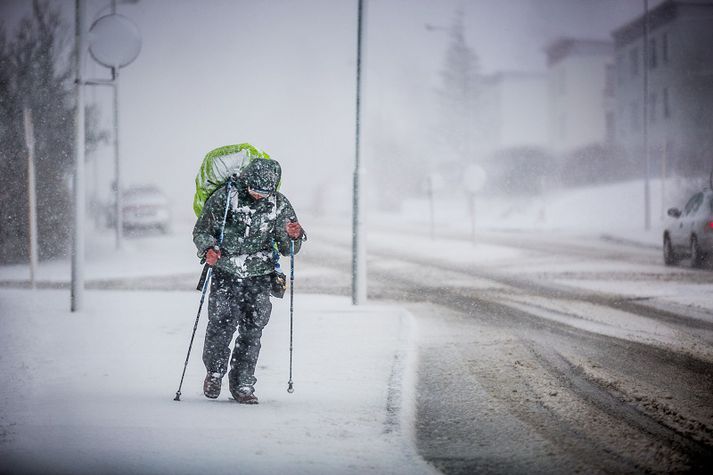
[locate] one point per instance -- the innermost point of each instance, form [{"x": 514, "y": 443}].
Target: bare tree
[{"x": 35, "y": 72}]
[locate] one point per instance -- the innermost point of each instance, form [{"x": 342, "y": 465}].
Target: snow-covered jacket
[{"x": 252, "y": 228}]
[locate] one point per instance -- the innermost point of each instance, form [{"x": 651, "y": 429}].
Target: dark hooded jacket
[{"x": 252, "y": 226}]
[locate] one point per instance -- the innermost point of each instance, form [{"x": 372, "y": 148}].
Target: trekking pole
[
  {"x": 195, "y": 327},
  {"x": 205, "y": 279},
  {"x": 290, "y": 388}
]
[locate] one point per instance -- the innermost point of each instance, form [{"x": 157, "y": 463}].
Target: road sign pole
[{"x": 117, "y": 162}]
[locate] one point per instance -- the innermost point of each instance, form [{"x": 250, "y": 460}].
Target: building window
[
  {"x": 652, "y": 107},
  {"x": 620, "y": 69},
  {"x": 652, "y": 53},
  {"x": 664, "y": 48},
  {"x": 610, "y": 126},
  {"x": 634, "y": 114},
  {"x": 634, "y": 61},
  {"x": 666, "y": 103},
  {"x": 621, "y": 120},
  {"x": 609, "y": 84}
]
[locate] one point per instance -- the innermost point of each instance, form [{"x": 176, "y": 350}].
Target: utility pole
[
  {"x": 359, "y": 284},
  {"x": 77, "y": 287},
  {"x": 647, "y": 170}
]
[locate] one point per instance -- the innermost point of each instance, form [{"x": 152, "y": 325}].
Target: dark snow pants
[{"x": 236, "y": 303}]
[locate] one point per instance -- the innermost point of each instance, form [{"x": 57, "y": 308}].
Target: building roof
[
  {"x": 663, "y": 13},
  {"x": 562, "y": 48}
]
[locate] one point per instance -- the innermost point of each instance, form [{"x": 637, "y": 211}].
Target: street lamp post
[{"x": 359, "y": 284}]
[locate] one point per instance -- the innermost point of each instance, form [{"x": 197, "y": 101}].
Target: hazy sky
[{"x": 281, "y": 75}]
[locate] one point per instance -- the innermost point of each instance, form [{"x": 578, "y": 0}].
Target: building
[
  {"x": 580, "y": 91},
  {"x": 512, "y": 131},
  {"x": 512, "y": 112},
  {"x": 664, "y": 87}
]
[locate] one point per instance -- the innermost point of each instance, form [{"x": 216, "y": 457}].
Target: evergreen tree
[{"x": 458, "y": 95}]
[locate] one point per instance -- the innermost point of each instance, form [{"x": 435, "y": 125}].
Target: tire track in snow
[{"x": 700, "y": 455}]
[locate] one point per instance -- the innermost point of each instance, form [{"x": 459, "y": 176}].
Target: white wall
[
  {"x": 578, "y": 112},
  {"x": 513, "y": 111}
]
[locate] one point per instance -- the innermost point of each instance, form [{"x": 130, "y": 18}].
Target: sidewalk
[{"x": 93, "y": 392}]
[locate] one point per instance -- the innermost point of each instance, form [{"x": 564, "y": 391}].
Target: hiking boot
[
  {"x": 211, "y": 385},
  {"x": 245, "y": 395}
]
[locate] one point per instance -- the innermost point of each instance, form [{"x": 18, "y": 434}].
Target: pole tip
[
  {"x": 290, "y": 389},
  {"x": 178, "y": 396}
]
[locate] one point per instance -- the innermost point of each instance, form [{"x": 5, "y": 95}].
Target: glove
[
  {"x": 211, "y": 256},
  {"x": 294, "y": 230}
]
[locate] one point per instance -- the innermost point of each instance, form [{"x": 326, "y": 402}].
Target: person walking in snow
[{"x": 259, "y": 220}]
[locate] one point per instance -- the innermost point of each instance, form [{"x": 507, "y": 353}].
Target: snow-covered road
[{"x": 548, "y": 352}]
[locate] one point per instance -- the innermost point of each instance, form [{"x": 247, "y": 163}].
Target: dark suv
[{"x": 690, "y": 232}]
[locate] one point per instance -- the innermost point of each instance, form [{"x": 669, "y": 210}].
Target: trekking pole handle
[
  {"x": 293, "y": 219},
  {"x": 204, "y": 274}
]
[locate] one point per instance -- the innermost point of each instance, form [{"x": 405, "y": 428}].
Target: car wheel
[
  {"x": 669, "y": 256},
  {"x": 696, "y": 253}
]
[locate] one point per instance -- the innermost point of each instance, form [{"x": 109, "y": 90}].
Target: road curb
[{"x": 401, "y": 401}]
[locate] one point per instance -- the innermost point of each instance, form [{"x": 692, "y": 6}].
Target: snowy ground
[
  {"x": 614, "y": 211},
  {"x": 93, "y": 392},
  {"x": 608, "y": 212}
]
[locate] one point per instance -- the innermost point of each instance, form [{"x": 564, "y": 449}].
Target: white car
[
  {"x": 690, "y": 232},
  {"x": 145, "y": 207}
]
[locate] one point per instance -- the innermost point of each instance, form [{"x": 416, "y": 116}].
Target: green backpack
[{"x": 219, "y": 165}]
